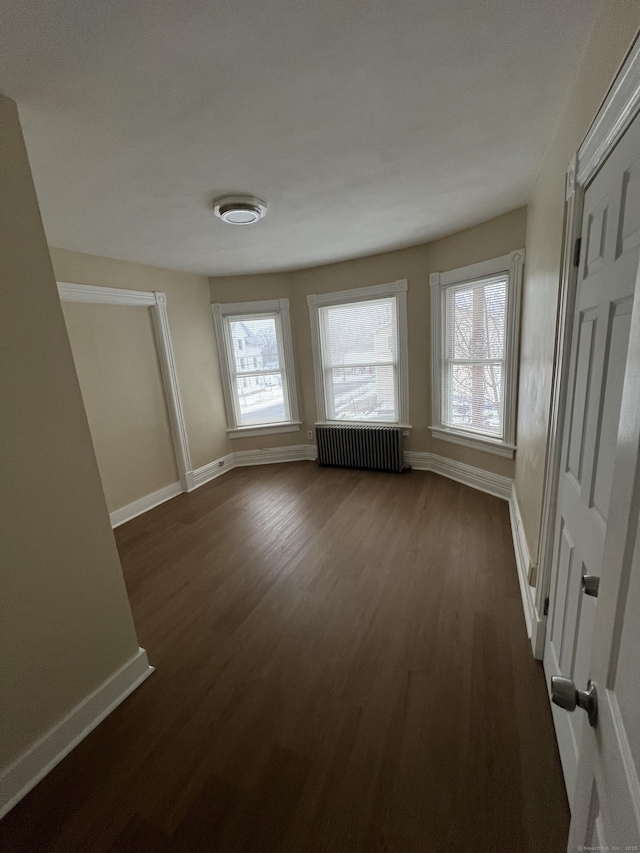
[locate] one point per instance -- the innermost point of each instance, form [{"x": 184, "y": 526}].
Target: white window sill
[
  {"x": 363, "y": 423},
  {"x": 478, "y": 442},
  {"x": 267, "y": 429}
]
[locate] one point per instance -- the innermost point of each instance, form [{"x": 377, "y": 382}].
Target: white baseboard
[
  {"x": 212, "y": 470},
  {"x": 243, "y": 458},
  {"x": 126, "y": 513},
  {"x": 269, "y": 455},
  {"x": 501, "y": 487},
  {"x": 523, "y": 562},
  {"x": 20, "y": 777},
  {"x": 477, "y": 478},
  {"x": 206, "y": 473}
]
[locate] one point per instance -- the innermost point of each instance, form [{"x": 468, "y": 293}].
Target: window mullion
[
  {"x": 246, "y": 373},
  {"x": 360, "y": 365},
  {"x": 471, "y": 361}
]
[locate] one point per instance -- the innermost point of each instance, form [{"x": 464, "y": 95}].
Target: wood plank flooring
[{"x": 342, "y": 665}]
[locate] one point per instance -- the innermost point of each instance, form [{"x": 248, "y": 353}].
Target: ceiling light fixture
[{"x": 239, "y": 209}]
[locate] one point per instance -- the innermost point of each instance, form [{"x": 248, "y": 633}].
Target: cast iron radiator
[{"x": 378, "y": 448}]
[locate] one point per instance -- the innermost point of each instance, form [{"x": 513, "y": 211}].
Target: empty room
[{"x": 320, "y": 416}]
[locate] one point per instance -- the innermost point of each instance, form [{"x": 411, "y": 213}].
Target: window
[
  {"x": 360, "y": 354},
  {"x": 474, "y": 332},
  {"x": 256, "y": 358}
]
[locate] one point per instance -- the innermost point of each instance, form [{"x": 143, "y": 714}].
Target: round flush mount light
[{"x": 239, "y": 209}]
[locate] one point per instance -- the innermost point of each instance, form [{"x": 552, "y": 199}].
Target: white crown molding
[
  {"x": 618, "y": 110},
  {"x": 24, "y": 774},
  {"x": 157, "y": 302},
  {"x": 133, "y": 510}
]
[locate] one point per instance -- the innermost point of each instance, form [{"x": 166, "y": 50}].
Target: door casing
[{"x": 618, "y": 110}]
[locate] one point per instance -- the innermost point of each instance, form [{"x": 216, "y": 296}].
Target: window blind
[
  {"x": 359, "y": 346},
  {"x": 474, "y": 355}
]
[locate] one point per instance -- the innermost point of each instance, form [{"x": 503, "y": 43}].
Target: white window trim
[
  {"x": 361, "y": 294},
  {"x": 247, "y": 309},
  {"x": 512, "y": 264}
]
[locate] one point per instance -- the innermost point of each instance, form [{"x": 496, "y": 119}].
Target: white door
[
  {"x": 604, "y": 300},
  {"x": 606, "y": 805}
]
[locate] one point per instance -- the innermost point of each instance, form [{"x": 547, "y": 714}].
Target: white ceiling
[{"x": 366, "y": 125}]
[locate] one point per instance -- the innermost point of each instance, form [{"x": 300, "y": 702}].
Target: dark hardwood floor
[{"x": 342, "y": 665}]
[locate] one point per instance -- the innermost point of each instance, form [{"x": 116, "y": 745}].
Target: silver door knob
[
  {"x": 591, "y": 585},
  {"x": 564, "y": 694}
]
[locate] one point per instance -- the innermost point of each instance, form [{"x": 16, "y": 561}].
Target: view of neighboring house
[
  {"x": 248, "y": 350},
  {"x": 255, "y": 353}
]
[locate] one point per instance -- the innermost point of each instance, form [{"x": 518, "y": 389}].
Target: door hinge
[
  {"x": 576, "y": 252},
  {"x": 545, "y": 609}
]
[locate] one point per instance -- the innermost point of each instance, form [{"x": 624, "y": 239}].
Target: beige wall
[
  {"x": 191, "y": 328},
  {"x": 488, "y": 240},
  {"x": 66, "y": 622},
  {"x": 115, "y": 354},
  {"x": 611, "y": 37}
]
